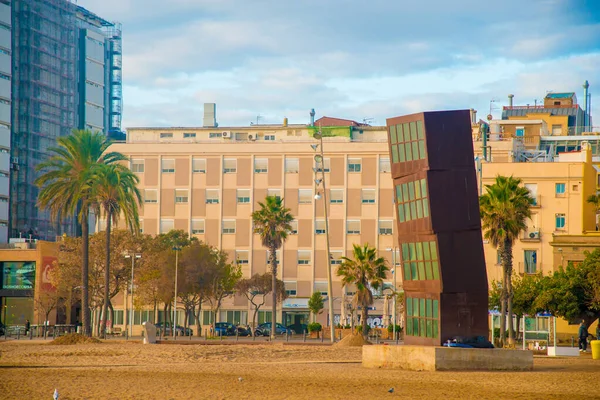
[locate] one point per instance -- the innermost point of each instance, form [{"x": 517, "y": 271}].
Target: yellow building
[{"x": 208, "y": 181}]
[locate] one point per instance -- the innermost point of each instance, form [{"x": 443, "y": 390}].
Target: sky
[{"x": 263, "y": 60}]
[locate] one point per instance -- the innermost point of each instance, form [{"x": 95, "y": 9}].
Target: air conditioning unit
[
  {"x": 227, "y": 135},
  {"x": 250, "y": 137},
  {"x": 534, "y": 235}
]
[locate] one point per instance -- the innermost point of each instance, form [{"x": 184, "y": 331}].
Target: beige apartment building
[{"x": 208, "y": 181}]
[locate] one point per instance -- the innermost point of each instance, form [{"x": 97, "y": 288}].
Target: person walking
[
  {"x": 27, "y": 326},
  {"x": 583, "y": 334}
]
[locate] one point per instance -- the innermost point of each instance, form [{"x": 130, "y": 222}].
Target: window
[
  {"x": 199, "y": 165},
  {"x": 420, "y": 261},
  {"x": 212, "y": 196},
  {"x": 292, "y": 165},
  {"x": 304, "y": 257},
  {"x": 575, "y": 188},
  {"x": 243, "y": 196},
  {"x": 384, "y": 165},
  {"x": 557, "y": 130},
  {"x": 241, "y": 256},
  {"x": 321, "y": 287},
  {"x": 560, "y": 189},
  {"x": 150, "y": 196},
  {"x": 277, "y": 256},
  {"x": 166, "y": 135},
  {"x": 411, "y": 200},
  {"x": 269, "y": 137},
  {"x": 197, "y": 226},
  {"x": 290, "y": 288},
  {"x": 228, "y": 226},
  {"x": 181, "y": 195},
  {"x": 215, "y": 135},
  {"x": 560, "y": 221},
  {"x": 386, "y": 227},
  {"x": 137, "y": 166},
  {"x": 336, "y": 257},
  {"x": 166, "y": 225},
  {"x": 294, "y": 225},
  {"x": 320, "y": 227},
  {"x": 189, "y": 135},
  {"x": 422, "y": 317},
  {"x": 326, "y": 165},
  {"x": 532, "y": 187},
  {"x": 168, "y": 165},
  {"x": 261, "y": 165},
  {"x": 520, "y": 131},
  {"x": 304, "y": 196},
  {"x": 101, "y": 225},
  {"x": 407, "y": 142},
  {"x": 354, "y": 164},
  {"x": 368, "y": 196},
  {"x": 337, "y": 196},
  {"x": 353, "y": 227},
  {"x": 274, "y": 192},
  {"x": 230, "y": 165},
  {"x": 530, "y": 257}
]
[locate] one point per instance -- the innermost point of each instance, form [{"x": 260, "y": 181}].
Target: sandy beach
[{"x": 130, "y": 370}]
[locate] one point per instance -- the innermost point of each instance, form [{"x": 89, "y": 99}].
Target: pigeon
[
  {"x": 55, "y": 394},
  {"x": 391, "y": 390}
]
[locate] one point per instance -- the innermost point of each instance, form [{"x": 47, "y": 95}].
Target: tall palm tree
[
  {"x": 504, "y": 209},
  {"x": 594, "y": 199},
  {"x": 366, "y": 271},
  {"x": 115, "y": 194},
  {"x": 273, "y": 223},
  {"x": 66, "y": 184}
]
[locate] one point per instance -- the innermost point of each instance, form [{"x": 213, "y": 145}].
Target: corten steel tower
[{"x": 439, "y": 229}]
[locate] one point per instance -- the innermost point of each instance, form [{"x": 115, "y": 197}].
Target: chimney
[
  {"x": 312, "y": 117},
  {"x": 473, "y": 116},
  {"x": 510, "y": 99}
]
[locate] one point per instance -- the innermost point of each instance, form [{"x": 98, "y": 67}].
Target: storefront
[{"x": 296, "y": 315}]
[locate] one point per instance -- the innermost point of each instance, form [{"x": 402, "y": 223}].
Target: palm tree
[
  {"x": 272, "y": 223},
  {"x": 504, "y": 209},
  {"x": 66, "y": 184},
  {"x": 594, "y": 199},
  {"x": 116, "y": 194},
  {"x": 366, "y": 271}
]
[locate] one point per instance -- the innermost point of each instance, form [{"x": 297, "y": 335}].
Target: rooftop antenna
[
  {"x": 258, "y": 117},
  {"x": 368, "y": 120}
]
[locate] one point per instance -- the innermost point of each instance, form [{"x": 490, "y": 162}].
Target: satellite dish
[{"x": 489, "y": 117}]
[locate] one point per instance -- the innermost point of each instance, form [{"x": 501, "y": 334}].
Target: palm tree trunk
[
  {"x": 85, "y": 306},
  {"x": 273, "y": 257},
  {"x": 106, "y": 276},
  {"x": 509, "y": 291},
  {"x": 363, "y": 316}
]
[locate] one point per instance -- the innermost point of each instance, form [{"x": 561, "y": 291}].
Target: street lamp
[
  {"x": 133, "y": 256},
  {"x": 174, "y": 327},
  {"x": 393, "y": 250},
  {"x": 319, "y": 159}
]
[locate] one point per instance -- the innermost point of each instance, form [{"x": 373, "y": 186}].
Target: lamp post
[
  {"x": 321, "y": 160},
  {"x": 174, "y": 327},
  {"x": 133, "y": 256},
  {"x": 393, "y": 250}
]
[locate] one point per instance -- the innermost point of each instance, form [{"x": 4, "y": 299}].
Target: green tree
[
  {"x": 366, "y": 271},
  {"x": 316, "y": 304},
  {"x": 504, "y": 209},
  {"x": 116, "y": 195},
  {"x": 222, "y": 280},
  {"x": 272, "y": 223},
  {"x": 66, "y": 189},
  {"x": 256, "y": 290},
  {"x": 573, "y": 292},
  {"x": 594, "y": 200}
]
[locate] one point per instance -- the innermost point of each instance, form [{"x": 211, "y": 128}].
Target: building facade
[
  {"x": 66, "y": 74},
  {"x": 5, "y": 114},
  {"x": 208, "y": 181}
]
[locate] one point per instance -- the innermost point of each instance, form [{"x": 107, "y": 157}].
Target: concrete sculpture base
[
  {"x": 149, "y": 333},
  {"x": 429, "y": 358}
]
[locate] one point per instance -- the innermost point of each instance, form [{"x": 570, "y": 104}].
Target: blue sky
[{"x": 348, "y": 58}]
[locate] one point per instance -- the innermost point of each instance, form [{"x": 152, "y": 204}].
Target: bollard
[
  {"x": 322, "y": 337},
  {"x": 253, "y": 336},
  {"x": 205, "y": 334},
  {"x": 30, "y": 334},
  {"x": 304, "y": 336},
  {"x": 237, "y": 336},
  {"x": 220, "y": 335},
  {"x": 572, "y": 341},
  {"x": 287, "y": 336},
  {"x": 18, "y": 333}
]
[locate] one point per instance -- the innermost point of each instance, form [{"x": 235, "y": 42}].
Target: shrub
[
  {"x": 359, "y": 329},
  {"x": 314, "y": 327},
  {"x": 390, "y": 328}
]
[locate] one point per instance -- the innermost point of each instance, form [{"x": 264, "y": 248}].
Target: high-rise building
[
  {"x": 5, "y": 117},
  {"x": 66, "y": 74}
]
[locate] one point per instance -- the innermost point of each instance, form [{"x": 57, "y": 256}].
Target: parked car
[
  {"x": 298, "y": 328},
  {"x": 225, "y": 329},
  {"x": 279, "y": 329},
  {"x": 165, "y": 328}
]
